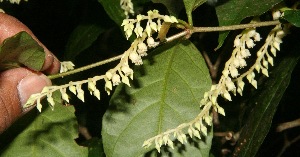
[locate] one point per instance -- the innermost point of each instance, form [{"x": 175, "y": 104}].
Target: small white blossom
[
  {"x": 242, "y": 62},
  {"x": 142, "y": 49},
  {"x": 108, "y": 75},
  {"x": 245, "y": 53},
  {"x": 108, "y": 87},
  {"x": 250, "y": 43},
  {"x": 127, "y": 71},
  {"x": 273, "y": 50},
  {"x": 265, "y": 72},
  {"x": 135, "y": 58},
  {"x": 153, "y": 25},
  {"x": 97, "y": 94},
  {"x": 66, "y": 66},
  {"x": 251, "y": 33},
  {"x": 257, "y": 37},
  {"x": 127, "y": 6},
  {"x": 237, "y": 42},
  {"x": 276, "y": 15},
  {"x": 115, "y": 79},
  {"x": 270, "y": 60},
  {"x": 125, "y": 80},
  {"x": 229, "y": 84},
  {"x": 151, "y": 42},
  {"x": 234, "y": 72},
  {"x": 138, "y": 30}
]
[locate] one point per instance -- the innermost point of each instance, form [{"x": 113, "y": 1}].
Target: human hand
[{"x": 16, "y": 85}]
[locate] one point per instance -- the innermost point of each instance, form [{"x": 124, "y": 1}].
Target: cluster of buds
[
  {"x": 127, "y": 6},
  {"x": 196, "y": 128},
  {"x": 242, "y": 43},
  {"x": 115, "y": 77},
  {"x": 122, "y": 72},
  {"x": 231, "y": 80},
  {"x": 150, "y": 26},
  {"x": 144, "y": 39},
  {"x": 66, "y": 66}
]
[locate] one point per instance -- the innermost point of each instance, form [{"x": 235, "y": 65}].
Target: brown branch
[
  {"x": 287, "y": 125},
  {"x": 287, "y": 143}
]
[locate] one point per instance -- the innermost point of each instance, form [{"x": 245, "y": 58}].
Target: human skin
[{"x": 16, "y": 85}]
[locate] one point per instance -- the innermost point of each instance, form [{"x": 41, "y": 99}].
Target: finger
[
  {"x": 16, "y": 86},
  {"x": 9, "y": 26}
]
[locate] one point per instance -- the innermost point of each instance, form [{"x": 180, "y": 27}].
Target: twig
[
  {"x": 287, "y": 144},
  {"x": 186, "y": 33},
  {"x": 85, "y": 67},
  {"x": 234, "y": 27},
  {"x": 287, "y": 125}
]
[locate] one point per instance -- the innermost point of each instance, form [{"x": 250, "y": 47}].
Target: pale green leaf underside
[
  {"x": 166, "y": 92},
  {"x": 21, "y": 49},
  {"x": 51, "y": 134},
  {"x": 234, "y": 11}
]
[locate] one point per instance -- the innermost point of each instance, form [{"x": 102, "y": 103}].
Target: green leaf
[
  {"x": 191, "y": 5},
  {"x": 95, "y": 147},
  {"x": 21, "y": 49},
  {"x": 266, "y": 102},
  {"x": 174, "y": 6},
  {"x": 166, "y": 92},
  {"x": 114, "y": 10},
  {"x": 51, "y": 134},
  {"x": 81, "y": 38},
  {"x": 292, "y": 16},
  {"x": 234, "y": 11}
]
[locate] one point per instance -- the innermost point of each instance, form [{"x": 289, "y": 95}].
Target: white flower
[
  {"x": 108, "y": 75},
  {"x": 250, "y": 43},
  {"x": 142, "y": 49},
  {"x": 251, "y": 33},
  {"x": 125, "y": 80},
  {"x": 153, "y": 25},
  {"x": 151, "y": 42},
  {"x": 233, "y": 71},
  {"x": 127, "y": 71},
  {"x": 66, "y": 66},
  {"x": 237, "y": 41},
  {"x": 242, "y": 63},
  {"x": 229, "y": 84},
  {"x": 257, "y": 37},
  {"x": 138, "y": 30},
  {"x": 276, "y": 15},
  {"x": 127, "y": 6},
  {"x": 135, "y": 58},
  {"x": 108, "y": 87},
  {"x": 115, "y": 79}
]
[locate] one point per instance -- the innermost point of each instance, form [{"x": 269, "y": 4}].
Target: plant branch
[
  {"x": 287, "y": 125},
  {"x": 234, "y": 27},
  {"x": 287, "y": 144},
  {"x": 85, "y": 67},
  {"x": 186, "y": 33}
]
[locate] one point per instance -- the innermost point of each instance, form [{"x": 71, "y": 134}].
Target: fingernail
[{"x": 30, "y": 85}]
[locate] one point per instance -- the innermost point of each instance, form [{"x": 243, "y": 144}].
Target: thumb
[{"x": 16, "y": 86}]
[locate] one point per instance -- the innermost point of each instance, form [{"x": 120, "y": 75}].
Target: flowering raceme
[{"x": 231, "y": 81}]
